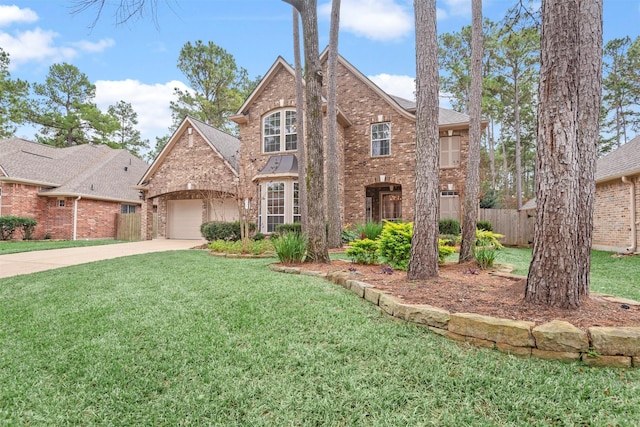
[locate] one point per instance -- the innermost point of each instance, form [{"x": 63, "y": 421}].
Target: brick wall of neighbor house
[
  {"x": 22, "y": 200},
  {"x": 277, "y": 94},
  {"x": 192, "y": 163},
  {"x": 96, "y": 219},
  {"x": 611, "y": 217}
]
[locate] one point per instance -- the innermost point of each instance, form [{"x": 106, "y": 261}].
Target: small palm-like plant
[{"x": 291, "y": 247}]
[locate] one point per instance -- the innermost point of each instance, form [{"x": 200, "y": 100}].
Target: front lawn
[
  {"x": 12, "y": 247},
  {"x": 610, "y": 274},
  {"x": 184, "y": 338}
]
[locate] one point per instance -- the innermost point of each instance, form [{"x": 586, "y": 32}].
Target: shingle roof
[
  {"x": 227, "y": 145},
  {"x": 92, "y": 171},
  {"x": 445, "y": 115},
  {"x": 621, "y": 162}
]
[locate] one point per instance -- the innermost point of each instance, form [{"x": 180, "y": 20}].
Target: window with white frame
[
  {"x": 449, "y": 151},
  {"x": 296, "y": 202},
  {"x": 380, "y": 139},
  {"x": 60, "y": 203},
  {"x": 279, "y": 132},
  {"x": 449, "y": 205},
  {"x": 278, "y": 203},
  {"x": 275, "y": 205}
]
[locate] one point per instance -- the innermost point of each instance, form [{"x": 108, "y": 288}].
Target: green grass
[
  {"x": 12, "y": 247},
  {"x": 609, "y": 274},
  {"x": 183, "y": 338}
]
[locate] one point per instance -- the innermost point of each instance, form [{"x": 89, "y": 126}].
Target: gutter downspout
[
  {"x": 75, "y": 217},
  {"x": 632, "y": 213}
]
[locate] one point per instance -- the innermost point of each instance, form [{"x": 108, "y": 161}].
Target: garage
[{"x": 185, "y": 218}]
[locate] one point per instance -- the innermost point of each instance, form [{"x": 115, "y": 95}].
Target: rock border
[{"x": 555, "y": 340}]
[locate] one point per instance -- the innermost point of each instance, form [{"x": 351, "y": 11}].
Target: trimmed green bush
[
  {"x": 449, "y": 226},
  {"x": 294, "y": 227},
  {"x": 484, "y": 225},
  {"x": 444, "y": 250},
  {"x": 363, "y": 251},
  {"x": 216, "y": 230},
  {"x": 9, "y": 224},
  {"x": 395, "y": 243},
  {"x": 254, "y": 247},
  {"x": 488, "y": 238},
  {"x": 291, "y": 248}
]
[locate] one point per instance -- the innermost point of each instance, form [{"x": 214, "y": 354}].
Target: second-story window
[
  {"x": 279, "y": 132},
  {"x": 380, "y": 139},
  {"x": 449, "y": 151}
]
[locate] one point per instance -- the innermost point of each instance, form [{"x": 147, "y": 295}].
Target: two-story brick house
[{"x": 376, "y": 157}]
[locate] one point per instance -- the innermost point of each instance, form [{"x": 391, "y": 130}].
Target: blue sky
[{"x": 136, "y": 61}]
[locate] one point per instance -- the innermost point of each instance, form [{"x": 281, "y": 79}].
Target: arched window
[{"x": 279, "y": 132}]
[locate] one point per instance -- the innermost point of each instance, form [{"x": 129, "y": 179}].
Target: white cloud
[
  {"x": 94, "y": 47},
  {"x": 34, "y": 45},
  {"x": 457, "y": 8},
  {"x": 11, "y": 14},
  {"x": 151, "y": 102},
  {"x": 402, "y": 86},
  {"x": 379, "y": 20}
]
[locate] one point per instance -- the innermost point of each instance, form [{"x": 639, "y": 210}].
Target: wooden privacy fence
[
  {"x": 517, "y": 226},
  {"x": 128, "y": 226}
]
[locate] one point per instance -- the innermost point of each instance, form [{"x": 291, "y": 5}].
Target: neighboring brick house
[
  {"x": 259, "y": 171},
  {"x": 616, "y": 218},
  {"x": 73, "y": 193},
  {"x": 194, "y": 179},
  {"x": 616, "y": 213}
]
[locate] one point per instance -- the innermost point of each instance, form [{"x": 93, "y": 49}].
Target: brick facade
[
  {"x": 360, "y": 173},
  {"x": 95, "y": 218},
  {"x": 612, "y": 215},
  {"x": 189, "y": 168}
]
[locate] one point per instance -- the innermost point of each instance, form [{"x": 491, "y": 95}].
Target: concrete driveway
[{"x": 31, "y": 262}]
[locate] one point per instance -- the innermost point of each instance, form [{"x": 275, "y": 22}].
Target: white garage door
[{"x": 185, "y": 218}]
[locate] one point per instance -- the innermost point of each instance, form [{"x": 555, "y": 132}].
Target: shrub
[
  {"x": 488, "y": 238},
  {"x": 291, "y": 248},
  {"x": 449, "y": 239},
  {"x": 485, "y": 256},
  {"x": 217, "y": 230},
  {"x": 395, "y": 243},
  {"x": 363, "y": 251},
  {"x": 255, "y": 247},
  {"x": 444, "y": 251},
  {"x": 484, "y": 225},
  {"x": 369, "y": 230},
  {"x": 27, "y": 227},
  {"x": 9, "y": 224},
  {"x": 349, "y": 234},
  {"x": 259, "y": 236},
  {"x": 283, "y": 229},
  {"x": 449, "y": 226}
]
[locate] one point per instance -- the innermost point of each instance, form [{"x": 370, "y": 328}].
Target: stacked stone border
[{"x": 555, "y": 340}]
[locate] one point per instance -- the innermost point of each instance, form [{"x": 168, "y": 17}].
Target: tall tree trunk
[
  {"x": 317, "y": 250},
  {"x": 569, "y": 96},
  {"x": 472, "y": 180},
  {"x": 517, "y": 125},
  {"x": 302, "y": 155},
  {"x": 589, "y": 89},
  {"x": 423, "y": 262},
  {"x": 492, "y": 155},
  {"x": 333, "y": 189}
]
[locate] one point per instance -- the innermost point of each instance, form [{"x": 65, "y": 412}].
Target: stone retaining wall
[{"x": 555, "y": 340}]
